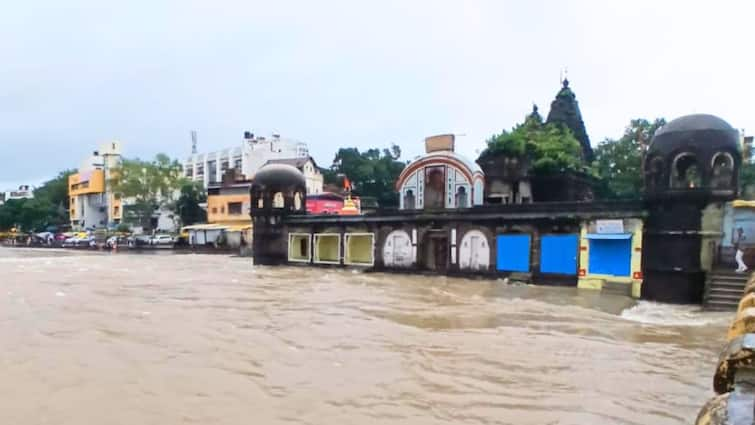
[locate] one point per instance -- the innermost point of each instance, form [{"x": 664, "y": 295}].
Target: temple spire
[
  {"x": 565, "y": 111},
  {"x": 535, "y": 115}
]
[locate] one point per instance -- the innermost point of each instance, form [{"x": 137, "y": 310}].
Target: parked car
[
  {"x": 162, "y": 240},
  {"x": 79, "y": 239},
  {"x": 70, "y": 241},
  {"x": 137, "y": 241}
]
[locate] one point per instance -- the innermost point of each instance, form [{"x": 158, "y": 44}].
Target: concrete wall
[
  {"x": 711, "y": 231},
  {"x": 454, "y": 248}
]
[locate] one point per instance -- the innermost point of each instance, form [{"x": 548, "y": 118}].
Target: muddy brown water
[{"x": 90, "y": 338}]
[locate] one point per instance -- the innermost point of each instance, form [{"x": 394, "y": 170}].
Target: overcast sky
[{"x": 353, "y": 73}]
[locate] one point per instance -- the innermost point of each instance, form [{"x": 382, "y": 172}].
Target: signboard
[{"x": 609, "y": 226}]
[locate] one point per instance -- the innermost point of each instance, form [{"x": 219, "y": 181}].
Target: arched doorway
[
  {"x": 397, "y": 250},
  {"x": 722, "y": 166},
  {"x": 435, "y": 250},
  {"x": 474, "y": 251}
]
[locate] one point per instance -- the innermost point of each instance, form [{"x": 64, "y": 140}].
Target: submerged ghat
[{"x": 169, "y": 339}]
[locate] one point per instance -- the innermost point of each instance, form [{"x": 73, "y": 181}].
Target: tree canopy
[
  {"x": 550, "y": 148},
  {"x": 372, "y": 173},
  {"x": 147, "y": 186},
  {"x": 188, "y": 204},
  {"x": 48, "y": 207},
  {"x": 618, "y": 162}
]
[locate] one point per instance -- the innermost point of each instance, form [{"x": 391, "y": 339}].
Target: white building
[
  {"x": 92, "y": 201},
  {"x": 253, "y": 153},
  {"x": 23, "y": 192},
  {"x": 308, "y": 167}
]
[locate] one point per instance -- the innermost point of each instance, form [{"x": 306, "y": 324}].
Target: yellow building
[
  {"x": 92, "y": 203},
  {"x": 228, "y": 209},
  {"x": 229, "y": 204}
]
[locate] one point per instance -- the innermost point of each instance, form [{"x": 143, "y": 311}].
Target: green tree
[
  {"x": 27, "y": 215},
  {"x": 48, "y": 208},
  {"x": 550, "y": 148},
  {"x": 53, "y": 195},
  {"x": 372, "y": 173},
  {"x": 146, "y": 186},
  {"x": 747, "y": 180},
  {"x": 618, "y": 162},
  {"x": 188, "y": 204}
]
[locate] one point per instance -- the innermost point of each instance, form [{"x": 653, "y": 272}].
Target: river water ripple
[{"x": 90, "y": 338}]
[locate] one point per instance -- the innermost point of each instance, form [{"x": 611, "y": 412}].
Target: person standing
[{"x": 739, "y": 250}]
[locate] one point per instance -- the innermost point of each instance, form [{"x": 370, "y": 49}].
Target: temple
[
  {"x": 565, "y": 111},
  {"x": 506, "y": 216},
  {"x": 440, "y": 179}
]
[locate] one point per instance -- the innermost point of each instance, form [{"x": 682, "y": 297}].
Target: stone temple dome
[
  {"x": 695, "y": 131},
  {"x": 278, "y": 189},
  {"x": 693, "y": 152},
  {"x": 278, "y": 176}
]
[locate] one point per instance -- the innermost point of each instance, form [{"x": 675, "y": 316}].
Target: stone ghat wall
[{"x": 734, "y": 379}]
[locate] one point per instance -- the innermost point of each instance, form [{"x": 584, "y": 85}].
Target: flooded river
[{"x": 90, "y": 338}]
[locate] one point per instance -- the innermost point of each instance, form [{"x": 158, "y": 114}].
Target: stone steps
[
  {"x": 618, "y": 288},
  {"x": 723, "y": 290}
]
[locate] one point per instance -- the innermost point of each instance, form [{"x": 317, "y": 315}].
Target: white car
[
  {"x": 79, "y": 241},
  {"x": 70, "y": 241},
  {"x": 162, "y": 240}
]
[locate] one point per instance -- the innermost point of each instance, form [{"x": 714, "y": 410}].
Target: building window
[
  {"x": 116, "y": 210},
  {"x": 212, "y": 171},
  {"x": 189, "y": 172},
  {"x": 214, "y": 210},
  {"x": 461, "y": 197},
  {"x": 224, "y": 165},
  {"x": 237, "y": 163},
  {"x": 222, "y": 210},
  {"x": 278, "y": 200},
  {"x": 234, "y": 208},
  {"x": 409, "y": 200}
]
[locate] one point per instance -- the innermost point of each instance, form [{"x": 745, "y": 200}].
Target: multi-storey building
[
  {"x": 253, "y": 153},
  {"x": 92, "y": 201},
  {"x": 228, "y": 201}
]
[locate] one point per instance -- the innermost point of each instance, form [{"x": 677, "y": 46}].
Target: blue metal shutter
[
  {"x": 513, "y": 253},
  {"x": 610, "y": 256},
  {"x": 558, "y": 254}
]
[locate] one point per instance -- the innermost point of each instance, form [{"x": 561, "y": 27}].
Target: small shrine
[{"x": 440, "y": 179}]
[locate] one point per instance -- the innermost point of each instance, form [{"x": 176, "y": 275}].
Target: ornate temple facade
[
  {"x": 440, "y": 179},
  {"x": 460, "y": 218}
]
